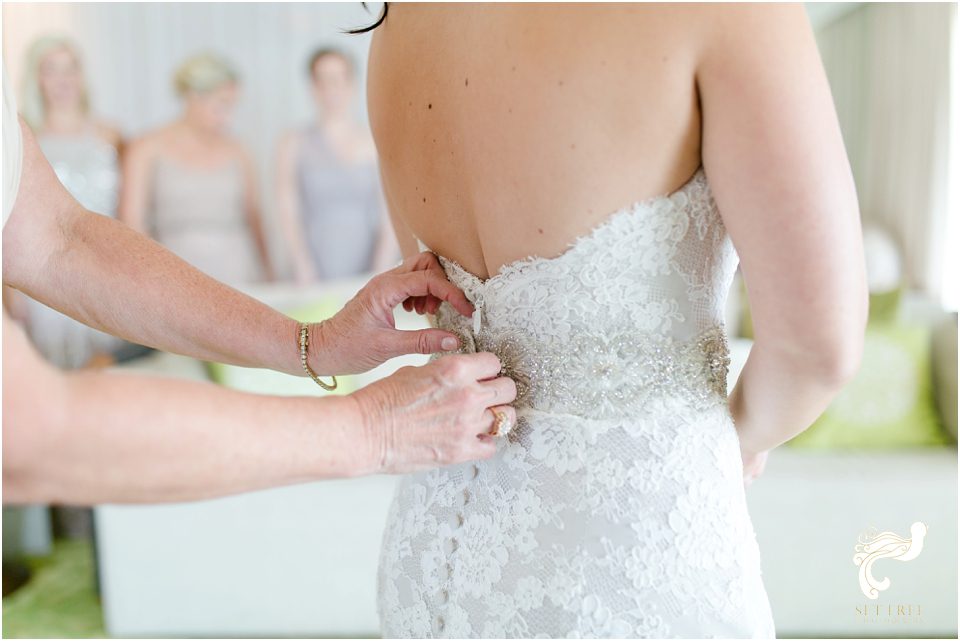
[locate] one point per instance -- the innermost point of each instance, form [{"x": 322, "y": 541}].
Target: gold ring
[{"x": 500, "y": 422}]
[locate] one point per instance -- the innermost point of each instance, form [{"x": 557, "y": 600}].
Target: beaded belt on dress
[{"x": 608, "y": 375}]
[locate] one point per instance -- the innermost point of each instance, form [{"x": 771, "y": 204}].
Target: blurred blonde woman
[
  {"x": 82, "y": 149},
  {"x": 192, "y": 185},
  {"x": 83, "y": 152}
]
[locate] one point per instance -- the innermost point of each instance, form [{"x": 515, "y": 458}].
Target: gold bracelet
[{"x": 304, "y": 343}]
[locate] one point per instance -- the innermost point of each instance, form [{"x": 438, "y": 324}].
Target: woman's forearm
[
  {"x": 119, "y": 438},
  {"x": 107, "y": 275},
  {"x": 103, "y": 273},
  {"x": 112, "y": 278},
  {"x": 782, "y": 392}
]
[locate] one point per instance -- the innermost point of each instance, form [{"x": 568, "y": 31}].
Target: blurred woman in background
[
  {"x": 82, "y": 149},
  {"x": 83, "y": 152},
  {"x": 329, "y": 198},
  {"x": 192, "y": 186}
]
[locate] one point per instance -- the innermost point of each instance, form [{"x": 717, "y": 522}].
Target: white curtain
[
  {"x": 889, "y": 70},
  {"x": 131, "y": 50}
]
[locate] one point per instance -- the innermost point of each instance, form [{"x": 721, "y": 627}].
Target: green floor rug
[{"x": 59, "y": 601}]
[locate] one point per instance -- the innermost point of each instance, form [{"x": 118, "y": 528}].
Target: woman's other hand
[
  {"x": 438, "y": 414},
  {"x": 363, "y": 334}
]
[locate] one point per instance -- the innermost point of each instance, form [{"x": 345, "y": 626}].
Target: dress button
[
  {"x": 444, "y": 596},
  {"x": 438, "y": 624},
  {"x": 455, "y": 520},
  {"x": 450, "y": 546},
  {"x": 474, "y": 472},
  {"x": 464, "y": 498}
]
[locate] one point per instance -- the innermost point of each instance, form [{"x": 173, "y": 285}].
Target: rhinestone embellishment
[{"x": 606, "y": 375}]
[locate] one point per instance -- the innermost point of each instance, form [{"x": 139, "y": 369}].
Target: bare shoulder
[
  {"x": 110, "y": 133},
  {"x": 734, "y": 33},
  {"x": 724, "y": 16}
]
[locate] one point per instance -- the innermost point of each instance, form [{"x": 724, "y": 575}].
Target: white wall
[{"x": 131, "y": 50}]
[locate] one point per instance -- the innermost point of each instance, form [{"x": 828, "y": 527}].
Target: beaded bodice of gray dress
[{"x": 616, "y": 506}]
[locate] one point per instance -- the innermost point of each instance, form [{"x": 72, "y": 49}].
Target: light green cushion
[
  {"x": 885, "y": 306},
  {"x": 264, "y": 381},
  {"x": 889, "y": 403},
  {"x": 945, "y": 371},
  {"x": 746, "y": 318}
]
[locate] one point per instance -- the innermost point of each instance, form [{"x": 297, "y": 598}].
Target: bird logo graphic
[{"x": 872, "y": 546}]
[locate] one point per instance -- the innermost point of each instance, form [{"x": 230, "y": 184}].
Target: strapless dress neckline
[{"x": 678, "y": 198}]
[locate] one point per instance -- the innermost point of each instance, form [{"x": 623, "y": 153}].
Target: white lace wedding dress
[{"x": 616, "y": 507}]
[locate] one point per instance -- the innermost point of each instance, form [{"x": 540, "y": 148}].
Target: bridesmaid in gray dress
[
  {"x": 199, "y": 215},
  {"x": 192, "y": 186},
  {"x": 84, "y": 154},
  {"x": 329, "y": 196}
]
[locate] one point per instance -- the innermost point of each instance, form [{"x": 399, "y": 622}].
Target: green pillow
[
  {"x": 945, "y": 371},
  {"x": 746, "y": 318},
  {"x": 889, "y": 403},
  {"x": 265, "y": 381},
  {"x": 885, "y": 306}
]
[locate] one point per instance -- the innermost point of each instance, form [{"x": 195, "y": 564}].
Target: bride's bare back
[{"x": 508, "y": 130}]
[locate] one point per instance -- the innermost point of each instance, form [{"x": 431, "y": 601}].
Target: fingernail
[{"x": 449, "y": 343}]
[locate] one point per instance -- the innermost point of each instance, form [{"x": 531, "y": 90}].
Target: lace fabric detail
[{"x": 615, "y": 507}]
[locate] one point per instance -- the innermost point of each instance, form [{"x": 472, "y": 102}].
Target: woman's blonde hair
[
  {"x": 33, "y": 107},
  {"x": 203, "y": 73}
]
